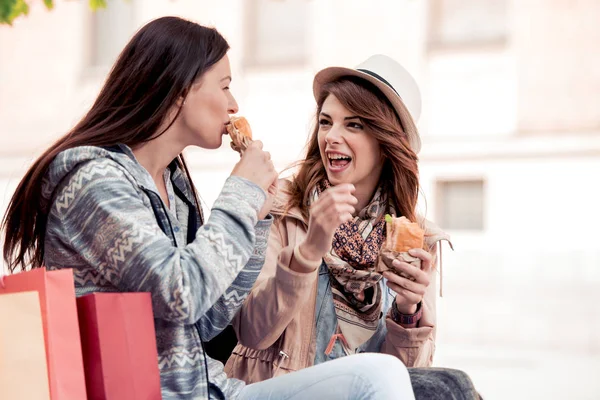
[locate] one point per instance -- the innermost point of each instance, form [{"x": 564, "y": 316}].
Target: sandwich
[
  {"x": 401, "y": 236},
  {"x": 240, "y": 132}
]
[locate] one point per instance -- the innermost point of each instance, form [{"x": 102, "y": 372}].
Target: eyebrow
[{"x": 345, "y": 119}]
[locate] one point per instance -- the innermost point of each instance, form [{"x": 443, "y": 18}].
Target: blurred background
[{"x": 511, "y": 145}]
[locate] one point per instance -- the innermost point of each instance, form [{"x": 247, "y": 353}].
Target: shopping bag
[
  {"x": 23, "y": 368},
  {"x": 119, "y": 346},
  {"x": 61, "y": 328}
]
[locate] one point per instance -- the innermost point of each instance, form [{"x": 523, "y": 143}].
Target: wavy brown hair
[
  {"x": 400, "y": 173},
  {"x": 154, "y": 70}
]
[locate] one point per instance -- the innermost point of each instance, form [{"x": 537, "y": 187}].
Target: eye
[
  {"x": 355, "y": 125},
  {"x": 226, "y": 88},
  {"x": 324, "y": 122}
]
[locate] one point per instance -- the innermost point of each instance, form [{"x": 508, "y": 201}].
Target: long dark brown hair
[
  {"x": 400, "y": 173},
  {"x": 154, "y": 70}
]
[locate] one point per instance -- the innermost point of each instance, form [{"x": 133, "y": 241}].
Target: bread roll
[
  {"x": 240, "y": 132},
  {"x": 403, "y": 235}
]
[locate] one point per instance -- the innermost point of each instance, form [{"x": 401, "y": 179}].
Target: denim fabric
[
  {"x": 326, "y": 321},
  {"x": 361, "y": 376},
  {"x": 428, "y": 383}
]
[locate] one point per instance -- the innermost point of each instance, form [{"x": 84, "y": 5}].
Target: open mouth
[{"x": 338, "y": 162}]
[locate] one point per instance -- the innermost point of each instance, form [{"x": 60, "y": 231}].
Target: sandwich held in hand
[
  {"x": 240, "y": 133},
  {"x": 401, "y": 236}
]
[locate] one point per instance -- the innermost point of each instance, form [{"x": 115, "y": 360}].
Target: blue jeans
[{"x": 363, "y": 376}]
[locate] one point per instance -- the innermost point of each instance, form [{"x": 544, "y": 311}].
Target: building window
[
  {"x": 460, "y": 204},
  {"x": 111, "y": 29},
  {"x": 276, "y": 33},
  {"x": 467, "y": 22}
]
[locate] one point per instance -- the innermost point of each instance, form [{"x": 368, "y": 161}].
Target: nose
[
  {"x": 233, "y": 105},
  {"x": 334, "y": 135}
]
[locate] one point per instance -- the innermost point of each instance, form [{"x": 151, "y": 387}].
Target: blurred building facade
[{"x": 510, "y": 159}]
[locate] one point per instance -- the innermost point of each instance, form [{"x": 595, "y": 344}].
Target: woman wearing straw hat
[{"x": 318, "y": 296}]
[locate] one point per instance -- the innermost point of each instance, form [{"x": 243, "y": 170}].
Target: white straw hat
[{"x": 393, "y": 80}]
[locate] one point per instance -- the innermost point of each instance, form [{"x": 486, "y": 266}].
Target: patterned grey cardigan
[{"x": 107, "y": 222}]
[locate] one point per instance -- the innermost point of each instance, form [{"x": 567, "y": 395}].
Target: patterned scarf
[{"x": 351, "y": 262}]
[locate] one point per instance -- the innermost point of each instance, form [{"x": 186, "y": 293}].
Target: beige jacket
[{"x": 275, "y": 326}]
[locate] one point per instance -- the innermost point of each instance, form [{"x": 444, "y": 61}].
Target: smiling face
[
  {"x": 361, "y": 151},
  {"x": 349, "y": 152}
]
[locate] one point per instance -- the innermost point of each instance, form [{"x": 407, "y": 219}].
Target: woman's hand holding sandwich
[
  {"x": 256, "y": 166},
  {"x": 409, "y": 293}
]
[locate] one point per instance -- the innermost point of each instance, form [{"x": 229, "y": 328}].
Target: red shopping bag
[
  {"x": 23, "y": 368},
  {"x": 61, "y": 327},
  {"x": 119, "y": 346}
]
